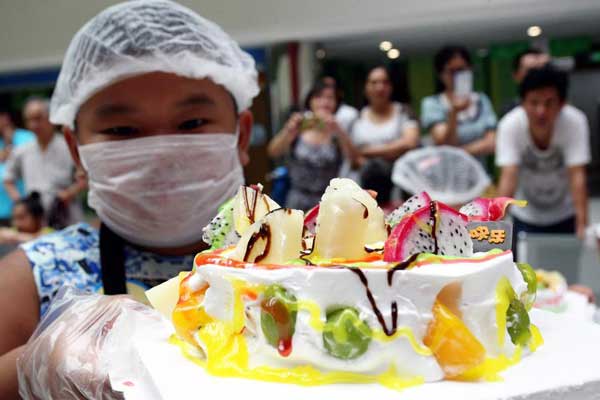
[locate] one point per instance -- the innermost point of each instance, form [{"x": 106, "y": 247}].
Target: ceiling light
[
  {"x": 534, "y": 31},
  {"x": 393, "y": 54},
  {"x": 386, "y": 45}
]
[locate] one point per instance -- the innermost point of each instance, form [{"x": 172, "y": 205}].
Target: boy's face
[
  {"x": 157, "y": 104},
  {"x": 542, "y": 107}
]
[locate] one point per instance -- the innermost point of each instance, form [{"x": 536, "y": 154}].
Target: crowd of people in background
[
  {"x": 540, "y": 144},
  {"x": 40, "y": 183},
  {"x": 117, "y": 101}
]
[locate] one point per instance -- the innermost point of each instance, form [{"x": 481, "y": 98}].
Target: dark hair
[
  {"x": 388, "y": 72},
  {"x": 325, "y": 78},
  {"x": 447, "y": 53},
  {"x": 517, "y": 60},
  {"x": 316, "y": 90},
  {"x": 383, "y": 67},
  {"x": 376, "y": 175},
  {"x": 5, "y": 110},
  {"x": 545, "y": 77},
  {"x": 33, "y": 204}
]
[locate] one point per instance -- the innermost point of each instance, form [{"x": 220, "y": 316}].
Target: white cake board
[{"x": 566, "y": 367}]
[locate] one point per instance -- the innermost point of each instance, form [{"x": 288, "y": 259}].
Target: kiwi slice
[
  {"x": 528, "y": 298},
  {"x": 346, "y": 336},
  {"x": 517, "y": 322},
  {"x": 278, "y": 315}
]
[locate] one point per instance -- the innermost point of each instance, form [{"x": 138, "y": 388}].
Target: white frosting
[
  {"x": 565, "y": 368},
  {"x": 413, "y": 290}
]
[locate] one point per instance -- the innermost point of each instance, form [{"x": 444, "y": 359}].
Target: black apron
[{"x": 112, "y": 261}]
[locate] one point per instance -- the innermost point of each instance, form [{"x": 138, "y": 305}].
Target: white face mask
[{"x": 160, "y": 191}]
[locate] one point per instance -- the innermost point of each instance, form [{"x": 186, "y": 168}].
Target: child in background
[{"x": 28, "y": 221}]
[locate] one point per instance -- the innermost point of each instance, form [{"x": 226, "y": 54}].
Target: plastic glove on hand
[{"x": 81, "y": 339}]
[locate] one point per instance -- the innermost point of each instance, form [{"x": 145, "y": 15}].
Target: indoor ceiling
[
  {"x": 474, "y": 31},
  {"x": 36, "y": 33}
]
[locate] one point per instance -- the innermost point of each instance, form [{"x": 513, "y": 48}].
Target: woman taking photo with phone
[
  {"x": 458, "y": 116},
  {"x": 315, "y": 146}
]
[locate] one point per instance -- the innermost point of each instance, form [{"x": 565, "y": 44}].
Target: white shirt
[
  {"x": 345, "y": 116},
  {"x": 366, "y": 132},
  {"x": 543, "y": 176},
  {"x": 47, "y": 172}
]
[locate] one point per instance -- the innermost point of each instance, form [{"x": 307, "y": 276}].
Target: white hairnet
[{"x": 144, "y": 36}]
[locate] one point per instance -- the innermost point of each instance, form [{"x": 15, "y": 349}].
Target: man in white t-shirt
[
  {"x": 46, "y": 167},
  {"x": 542, "y": 148}
]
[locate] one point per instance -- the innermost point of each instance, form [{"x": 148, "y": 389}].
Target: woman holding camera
[{"x": 315, "y": 146}]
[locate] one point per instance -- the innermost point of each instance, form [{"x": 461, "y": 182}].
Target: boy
[{"x": 153, "y": 99}]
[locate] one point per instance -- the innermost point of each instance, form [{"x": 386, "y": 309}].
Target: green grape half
[{"x": 346, "y": 336}]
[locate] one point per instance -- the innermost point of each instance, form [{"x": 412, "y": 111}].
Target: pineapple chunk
[
  {"x": 250, "y": 205},
  {"x": 348, "y": 219},
  {"x": 274, "y": 239}
]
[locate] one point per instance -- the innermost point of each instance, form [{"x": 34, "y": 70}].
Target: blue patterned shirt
[{"x": 72, "y": 257}]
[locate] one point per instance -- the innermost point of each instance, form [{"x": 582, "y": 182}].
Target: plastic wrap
[{"x": 83, "y": 343}]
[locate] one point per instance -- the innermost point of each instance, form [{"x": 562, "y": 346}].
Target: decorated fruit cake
[{"x": 344, "y": 294}]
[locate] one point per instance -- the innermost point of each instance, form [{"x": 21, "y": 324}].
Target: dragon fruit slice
[
  {"x": 411, "y": 205},
  {"x": 435, "y": 228},
  {"x": 310, "y": 220},
  {"x": 489, "y": 209},
  {"x": 219, "y": 232}
]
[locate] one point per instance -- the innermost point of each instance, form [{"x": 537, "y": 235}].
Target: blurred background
[{"x": 294, "y": 42}]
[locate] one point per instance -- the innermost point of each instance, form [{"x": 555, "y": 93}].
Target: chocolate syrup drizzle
[
  {"x": 400, "y": 267},
  {"x": 376, "y": 310},
  {"x": 308, "y": 252},
  {"x": 433, "y": 212},
  {"x": 264, "y": 232},
  {"x": 394, "y": 306},
  {"x": 370, "y": 250},
  {"x": 250, "y": 210}
]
